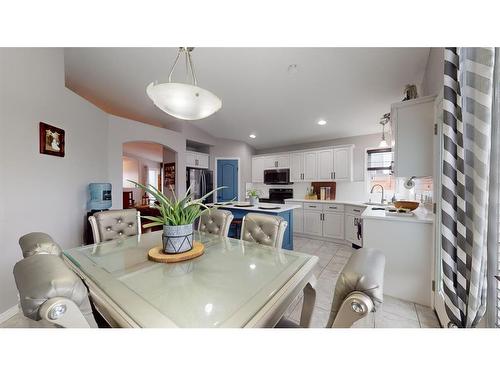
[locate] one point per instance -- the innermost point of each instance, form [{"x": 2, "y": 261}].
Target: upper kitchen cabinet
[
  {"x": 277, "y": 161},
  {"x": 303, "y": 166},
  {"x": 258, "y": 166},
  {"x": 196, "y": 159},
  {"x": 342, "y": 163},
  {"x": 412, "y": 129},
  {"x": 325, "y": 164}
]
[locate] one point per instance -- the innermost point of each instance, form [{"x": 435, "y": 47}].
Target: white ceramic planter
[
  {"x": 177, "y": 238},
  {"x": 254, "y": 201}
]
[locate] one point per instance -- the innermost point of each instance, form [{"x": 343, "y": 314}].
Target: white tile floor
[{"x": 394, "y": 313}]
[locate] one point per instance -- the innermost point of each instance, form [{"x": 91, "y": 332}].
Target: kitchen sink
[{"x": 376, "y": 204}]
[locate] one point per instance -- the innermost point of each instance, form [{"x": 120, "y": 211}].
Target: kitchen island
[{"x": 282, "y": 210}]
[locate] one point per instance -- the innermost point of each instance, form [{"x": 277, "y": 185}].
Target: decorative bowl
[{"x": 410, "y": 205}]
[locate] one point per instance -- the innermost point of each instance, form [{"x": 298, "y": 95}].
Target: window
[{"x": 379, "y": 171}]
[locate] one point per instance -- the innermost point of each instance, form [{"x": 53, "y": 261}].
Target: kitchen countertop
[
  {"x": 420, "y": 216},
  {"x": 327, "y": 201},
  {"x": 282, "y": 207}
]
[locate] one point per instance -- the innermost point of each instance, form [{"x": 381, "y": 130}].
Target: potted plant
[
  {"x": 177, "y": 217},
  {"x": 253, "y": 194}
]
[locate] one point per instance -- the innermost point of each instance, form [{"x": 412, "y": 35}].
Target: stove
[{"x": 278, "y": 196}]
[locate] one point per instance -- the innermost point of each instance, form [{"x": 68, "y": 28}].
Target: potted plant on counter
[
  {"x": 253, "y": 195},
  {"x": 177, "y": 217}
]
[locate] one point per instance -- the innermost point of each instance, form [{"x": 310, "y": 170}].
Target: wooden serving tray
[{"x": 156, "y": 254}]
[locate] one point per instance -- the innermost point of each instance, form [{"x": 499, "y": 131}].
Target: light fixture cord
[
  {"x": 189, "y": 66},
  {"x": 173, "y": 66}
]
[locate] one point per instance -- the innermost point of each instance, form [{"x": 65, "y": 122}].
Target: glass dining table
[{"x": 233, "y": 284}]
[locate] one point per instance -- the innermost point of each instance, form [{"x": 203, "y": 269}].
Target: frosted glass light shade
[
  {"x": 184, "y": 101},
  {"x": 383, "y": 143}
]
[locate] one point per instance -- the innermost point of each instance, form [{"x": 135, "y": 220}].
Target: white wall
[
  {"x": 433, "y": 80},
  {"x": 228, "y": 148},
  {"x": 42, "y": 192}
]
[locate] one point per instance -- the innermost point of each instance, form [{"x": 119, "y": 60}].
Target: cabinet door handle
[
  {"x": 312, "y": 206},
  {"x": 331, "y": 175},
  {"x": 355, "y": 210},
  {"x": 334, "y": 175},
  {"x": 333, "y": 207}
]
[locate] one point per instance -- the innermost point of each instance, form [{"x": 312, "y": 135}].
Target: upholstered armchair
[
  {"x": 48, "y": 289},
  {"x": 215, "y": 221},
  {"x": 263, "y": 229},
  {"x": 359, "y": 290},
  {"x": 115, "y": 224}
]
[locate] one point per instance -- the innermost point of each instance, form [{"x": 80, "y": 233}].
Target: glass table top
[{"x": 225, "y": 287}]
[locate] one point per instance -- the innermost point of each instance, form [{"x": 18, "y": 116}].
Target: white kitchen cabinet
[
  {"x": 412, "y": 132},
  {"x": 333, "y": 225},
  {"x": 325, "y": 164},
  {"x": 342, "y": 163},
  {"x": 197, "y": 159},
  {"x": 312, "y": 223},
  {"x": 298, "y": 220},
  {"x": 258, "y": 169},
  {"x": 296, "y": 166},
  {"x": 310, "y": 172}
]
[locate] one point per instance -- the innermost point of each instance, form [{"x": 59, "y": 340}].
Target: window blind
[{"x": 379, "y": 160}]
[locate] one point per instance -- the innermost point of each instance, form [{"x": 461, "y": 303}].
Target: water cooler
[{"x": 100, "y": 200}]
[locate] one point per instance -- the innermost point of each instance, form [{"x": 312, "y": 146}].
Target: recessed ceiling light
[
  {"x": 252, "y": 136},
  {"x": 322, "y": 122}
]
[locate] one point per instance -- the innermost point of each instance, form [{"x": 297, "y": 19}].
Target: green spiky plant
[{"x": 175, "y": 211}]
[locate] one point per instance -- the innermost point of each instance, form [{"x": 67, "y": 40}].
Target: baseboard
[{"x": 6, "y": 315}]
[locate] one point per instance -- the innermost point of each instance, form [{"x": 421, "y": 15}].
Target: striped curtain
[{"x": 467, "y": 131}]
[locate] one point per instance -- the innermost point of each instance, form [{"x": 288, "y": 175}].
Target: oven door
[{"x": 277, "y": 176}]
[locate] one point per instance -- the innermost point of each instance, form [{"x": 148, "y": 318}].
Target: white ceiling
[
  {"x": 144, "y": 150},
  {"x": 349, "y": 87}
]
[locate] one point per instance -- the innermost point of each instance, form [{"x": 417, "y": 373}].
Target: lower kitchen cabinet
[
  {"x": 312, "y": 223},
  {"x": 298, "y": 220},
  {"x": 333, "y": 225}
]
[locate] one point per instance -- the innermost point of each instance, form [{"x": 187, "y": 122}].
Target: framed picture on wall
[{"x": 51, "y": 140}]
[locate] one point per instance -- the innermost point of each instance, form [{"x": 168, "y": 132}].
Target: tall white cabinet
[{"x": 412, "y": 130}]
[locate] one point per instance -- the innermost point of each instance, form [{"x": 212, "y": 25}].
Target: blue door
[{"x": 227, "y": 175}]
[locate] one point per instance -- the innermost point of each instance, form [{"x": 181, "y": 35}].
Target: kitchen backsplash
[{"x": 356, "y": 191}]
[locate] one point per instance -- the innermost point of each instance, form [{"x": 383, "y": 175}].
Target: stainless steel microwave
[{"x": 277, "y": 176}]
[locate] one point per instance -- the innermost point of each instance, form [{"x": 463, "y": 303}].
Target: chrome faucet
[{"x": 373, "y": 187}]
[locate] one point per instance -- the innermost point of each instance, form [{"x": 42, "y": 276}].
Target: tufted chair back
[
  {"x": 38, "y": 243},
  {"x": 263, "y": 229},
  {"x": 215, "y": 221},
  {"x": 114, "y": 224}
]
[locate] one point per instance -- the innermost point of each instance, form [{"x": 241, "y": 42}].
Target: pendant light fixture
[
  {"x": 383, "y": 121},
  {"x": 186, "y": 101}
]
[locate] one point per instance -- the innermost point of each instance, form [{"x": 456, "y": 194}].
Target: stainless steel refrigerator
[{"x": 201, "y": 182}]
